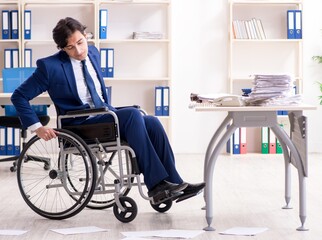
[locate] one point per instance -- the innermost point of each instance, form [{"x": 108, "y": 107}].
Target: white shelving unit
[
  {"x": 139, "y": 64},
  {"x": 273, "y": 55}
]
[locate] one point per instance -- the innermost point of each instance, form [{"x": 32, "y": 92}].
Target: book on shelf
[
  {"x": 147, "y": 35},
  {"x": 248, "y": 29}
]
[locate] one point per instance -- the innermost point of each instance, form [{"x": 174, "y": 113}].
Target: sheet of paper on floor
[
  {"x": 171, "y": 233},
  {"x": 78, "y": 230},
  {"x": 11, "y": 232},
  {"x": 244, "y": 231}
]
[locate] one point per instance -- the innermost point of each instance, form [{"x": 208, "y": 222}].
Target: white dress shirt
[{"x": 82, "y": 89}]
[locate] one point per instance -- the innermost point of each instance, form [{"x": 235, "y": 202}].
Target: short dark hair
[{"x": 64, "y": 29}]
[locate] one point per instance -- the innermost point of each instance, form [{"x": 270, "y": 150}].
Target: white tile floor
[{"x": 248, "y": 192}]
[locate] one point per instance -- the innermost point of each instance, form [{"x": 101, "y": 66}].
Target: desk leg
[
  {"x": 211, "y": 144},
  {"x": 209, "y": 174},
  {"x": 288, "y": 179},
  {"x": 302, "y": 179}
]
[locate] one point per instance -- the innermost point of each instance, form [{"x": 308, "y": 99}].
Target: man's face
[{"x": 77, "y": 47}]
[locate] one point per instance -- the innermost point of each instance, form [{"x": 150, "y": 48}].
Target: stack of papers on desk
[{"x": 273, "y": 90}]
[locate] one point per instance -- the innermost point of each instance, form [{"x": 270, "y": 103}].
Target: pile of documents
[
  {"x": 147, "y": 35},
  {"x": 217, "y": 99},
  {"x": 273, "y": 90}
]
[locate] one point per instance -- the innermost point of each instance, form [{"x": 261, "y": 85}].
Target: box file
[
  {"x": 158, "y": 101},
  {"x": 236, "y": 142},
  {"x": 290, "y": 24},
  {"x": 103, "y": 24},
  {"x": 298, "y": 24},
  {"x": 27, "y": 27},
  {"x": 103, "y": 56},
  {"x": 2, "y": 140},
  {"x": 14, "y": 24},
  {"x": 16, "y": 141},
  {"x": 11, "y": 58},
  {"x": 15, "y": 58},
  {"x": 279, "y": 149},
  {"x": 9, "y": 141},
  {"x": 110, "y": 62},
  {"x": 7, "y": 58},
  {"x": 5, "y": 24},
  {"x": 272, "y": 142},
  {"x": 243, "y": 140},
  {"x": 264, "y": 139},
  {"x": 28, "y": 57},
  {"x": 165, "y": 101}
]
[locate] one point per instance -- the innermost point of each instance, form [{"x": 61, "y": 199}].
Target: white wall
[{"x": 200, "y": 55}]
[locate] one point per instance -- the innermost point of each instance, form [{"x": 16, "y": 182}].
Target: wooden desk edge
[{"x": 42, "y": 99}]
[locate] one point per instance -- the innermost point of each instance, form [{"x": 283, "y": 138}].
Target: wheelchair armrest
[
  {"x": 133, "y": 106},
  {"x": 87, "y": 111}
]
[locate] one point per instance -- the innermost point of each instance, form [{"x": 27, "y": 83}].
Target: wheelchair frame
[{"x": 60, "y": 177}]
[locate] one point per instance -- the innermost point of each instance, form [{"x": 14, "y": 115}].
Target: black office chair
[
  {"x": 14, "y": 122},
  {"x": 12, "y": 78}
]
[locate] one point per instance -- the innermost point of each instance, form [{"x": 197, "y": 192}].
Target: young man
[{"x": 65, "y": 77}]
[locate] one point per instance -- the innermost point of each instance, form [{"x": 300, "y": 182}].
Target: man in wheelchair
[{"x": 72, "y": 77}]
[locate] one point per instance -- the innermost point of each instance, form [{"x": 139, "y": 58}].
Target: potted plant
[{"x": 319, "y": 60}]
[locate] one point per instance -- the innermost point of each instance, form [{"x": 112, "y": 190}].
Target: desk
[
  {"x": 42, "y": 99},
  {"x": 294, "y": 146}
]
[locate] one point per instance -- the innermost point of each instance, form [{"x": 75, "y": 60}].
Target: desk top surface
[{"x": 207, "y": 107}]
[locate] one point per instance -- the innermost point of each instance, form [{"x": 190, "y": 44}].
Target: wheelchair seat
[{"x": 90, "y": 133}]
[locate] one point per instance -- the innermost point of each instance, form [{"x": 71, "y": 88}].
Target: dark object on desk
[
  {"x": 14, "y": 122},
  {"x": 246, "y": 91}
]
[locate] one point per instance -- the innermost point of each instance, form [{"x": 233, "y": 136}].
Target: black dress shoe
[
  {"x": 167, "y": 187},
  {"x": 191, "y": 190}
]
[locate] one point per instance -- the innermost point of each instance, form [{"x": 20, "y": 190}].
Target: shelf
[
  {"x": 267, "y": 40},
  {"x": 133, "y": 2},
  {"x": 48, "y": 42},
  {"x": 274, "y": 54},
  {"x": 266, "y": 2},
  {"x": 9, "y": 40},
  {"x": 139, "y": 64},
  {"x": 64, "y": 2},
  {"x": 134, "y": 41},
  {"x": 147, "y": 79}
]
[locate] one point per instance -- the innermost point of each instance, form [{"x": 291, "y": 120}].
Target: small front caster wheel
[
  {"x": 130, "y": 210},
  {"x": 162, "y": 207}
]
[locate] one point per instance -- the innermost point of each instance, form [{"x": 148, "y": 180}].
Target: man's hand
[{"x": 46, "y": 133}]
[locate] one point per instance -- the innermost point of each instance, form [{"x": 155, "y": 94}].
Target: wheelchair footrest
[
  {"x": 186, "y": 196},
  {"x": 164, "y": 196}
]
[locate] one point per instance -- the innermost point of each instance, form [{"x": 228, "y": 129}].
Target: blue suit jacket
[{"x": 55, "y": 75}]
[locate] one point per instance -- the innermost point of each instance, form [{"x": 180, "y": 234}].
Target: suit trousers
[{"x": 146, "y": 136}]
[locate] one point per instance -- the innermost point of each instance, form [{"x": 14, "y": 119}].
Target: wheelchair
[{"x": 85, "y": 166}]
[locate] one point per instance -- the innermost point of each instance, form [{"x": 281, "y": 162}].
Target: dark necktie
[{"x": 91, "y": 87}]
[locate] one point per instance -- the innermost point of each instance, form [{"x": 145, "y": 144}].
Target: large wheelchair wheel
[
  {"x": 56, "y": 178},
  {"x": 107, "y": 172}
]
